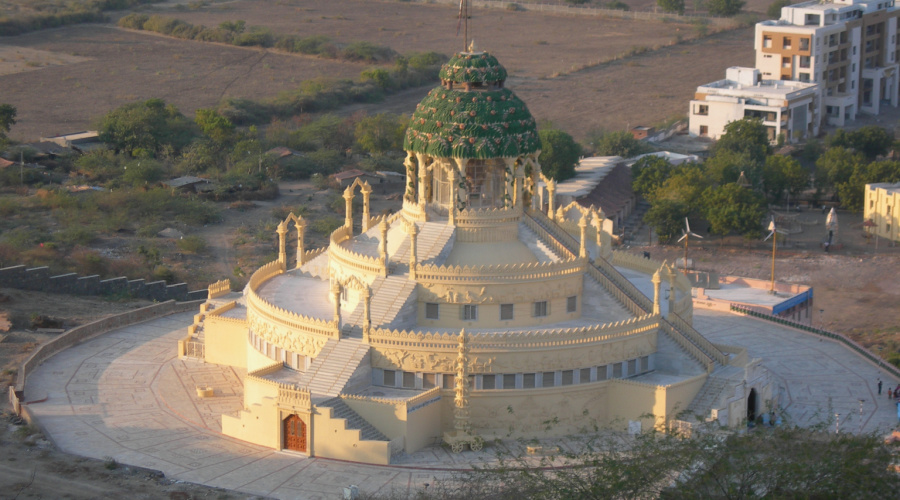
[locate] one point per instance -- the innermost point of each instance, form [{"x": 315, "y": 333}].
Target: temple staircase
[
  {"x": 330, "y": 371},
  {"x": 354, "y": 421}
]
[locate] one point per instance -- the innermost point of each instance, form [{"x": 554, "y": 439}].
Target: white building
[
  {"x": 848, "y": 47},
  {"x": 784, "y": 106}
]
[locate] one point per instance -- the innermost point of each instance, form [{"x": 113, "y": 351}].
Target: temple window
[
  {"x": 506, "y": 312},
  {"x": 509, "y": 381},
  {"x": 568, "y": 377},
  {"x": 470, "y": 312},
  {"x": 432, "y": 310},
  {"x": 528, "y": 381},
  {"x": 572, "y": 304},
  {"x": 548, "y": 379},
  {"x": 585, "y": 376},
  {"x": 617, "y": 370},
  {"x": 390, "y": 379},
  {"x": 409, "y": 380},
  {"x": 488, "y": 382},
  {"x": 484, "y": 181},
  {"x": 449, "y": 381},
  {"x": 540, "y": 309},
  {"x": 429, "y": 380},
  {"x": 601, "y": 372}
]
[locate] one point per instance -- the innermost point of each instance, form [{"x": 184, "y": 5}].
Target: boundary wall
[
  {"x": 84, "y": 332},
  {"x": 39, "y": 279}
]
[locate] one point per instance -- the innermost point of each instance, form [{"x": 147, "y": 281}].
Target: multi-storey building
[
  {"x": 881, "y": 207},
  {"x": 785, "y": 107},
  {"x": 848, "y": 47}
]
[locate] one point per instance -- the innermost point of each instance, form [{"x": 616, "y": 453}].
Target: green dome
[
  {"x": 479, "y": 67},
  {"x": 476, "y": 125}
]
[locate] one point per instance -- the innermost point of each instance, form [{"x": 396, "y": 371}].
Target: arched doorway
[
  {"x": 294, "y": 434},
  {"x": 751, "y": 407}
]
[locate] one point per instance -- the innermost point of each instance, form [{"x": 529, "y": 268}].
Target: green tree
[
  {"x": 617, "y": 144},
  {"x": 774, "y": 9},
  {"x": 747, "y": 136},
  {"x": 730, "y": 208},
  {"x": 686, "y": 185},
  {"x": 666, "y": 217},
  {"x": 559, "y": 154},
  {"x": 7, "y": 120},
  {"x": 836, "y": 166},
  {"x": 146, "y": 127},
  {"x": 381, "y": 133},
  {"x": 327, "y": 131},
  {"x": 872, "y": 141},
  {"x": 215, "y": 126},
  {"x": 726, "y": 166},
  {"x": 673, "y": 6},
  {"x": 782, "y": 174},
  {"x": 726, "y": 8},
  {"x": 648, "y": 174}
]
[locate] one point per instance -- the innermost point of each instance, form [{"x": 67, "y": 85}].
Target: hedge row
[
  {"x": 56, "y": 15},
  {"x": 237, "y": 33}
]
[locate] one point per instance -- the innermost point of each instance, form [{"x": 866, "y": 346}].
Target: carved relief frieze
[
  {"x": 572, "y": 357},
  {"x": 285, "y": 337},
  {"x": 497, "y": 294}
]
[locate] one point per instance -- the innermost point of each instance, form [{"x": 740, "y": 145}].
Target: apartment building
[
  {"x": 848, "y": 47},
  {"x": 784, "y": 106},
  {"x": 881, "y": 207}
]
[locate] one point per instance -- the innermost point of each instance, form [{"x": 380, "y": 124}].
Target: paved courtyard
[{"x": 125, "y": 395}]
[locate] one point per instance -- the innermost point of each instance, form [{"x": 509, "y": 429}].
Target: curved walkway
[{"x": 125, "y": 395}]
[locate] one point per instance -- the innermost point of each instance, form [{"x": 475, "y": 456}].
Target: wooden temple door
[{"x": 294, "y": 434}]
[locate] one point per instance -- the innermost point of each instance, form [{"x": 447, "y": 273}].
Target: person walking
[{"x": 879, "y": 387}]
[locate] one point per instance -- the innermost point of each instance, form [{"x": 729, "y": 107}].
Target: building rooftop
[
  {"x": 887, "y": 186},
  {"x": 588, "y": 173}
]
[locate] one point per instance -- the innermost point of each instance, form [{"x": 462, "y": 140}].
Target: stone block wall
[{"x": 39, "y": 279}]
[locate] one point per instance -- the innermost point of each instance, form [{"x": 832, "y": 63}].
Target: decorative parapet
[
  {"x": 862, "y": 351},
  {"x": 309, "y": 255},
  {"x": 413, "y": 402},
  {"x": 215, "y": 315},
  {"x": 351, "y": 260},
  {"x": 373, "y": 399},
  {"x": 298, "y": 322},
  {"x": 413, "y": 212},
  {"x": 506, "y": 273},
  {"x": 635, "y": 262},
  {"x": 488, "y": 217},
  {"x": 219, "y": 288},
  {"x": 526, "y": 339},
  {"x": 698, "y": 339},
  {"x": 293, "y": 398},
  {"x": 265, "y": 273}
]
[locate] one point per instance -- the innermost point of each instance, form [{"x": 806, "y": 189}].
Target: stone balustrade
[
  {"x": 526, "y": 339},
  {"x": 689, "y": 346},
  {"x": 487, "y": 217},
  {"x": 507, "y": 273},
  {"x": 219, "y": 288},
  {"x": 353, "y": 262},
  {"x": 257, "y": 306},
  {"x": 688, "y": 331}
]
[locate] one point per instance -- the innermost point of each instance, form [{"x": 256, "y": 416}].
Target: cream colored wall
[
  {"x": 226, "y": 341},
  {"x": 418, "y": 429},
  {"x": 390, "y": 419},
  {"x": 256, "y": 359},
  {"x": 631, "y": 400},
  {"x": 331, "y": 440},
  {"x": 423, "y": 427},
  {"x": 452, "y": 298},
  {"x": 258, "y": 423},
  {"x": 876, "y": 205}
]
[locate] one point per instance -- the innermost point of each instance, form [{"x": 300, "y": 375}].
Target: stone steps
[
  {"x": 353, "y": 420},
  {"x": 332, "y": 368},
  {"x": 536, "y": 245},
  {"x": 431, "y": 243}
]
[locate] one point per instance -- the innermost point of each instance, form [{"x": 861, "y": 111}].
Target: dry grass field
[{"x": 558, "y": 62}]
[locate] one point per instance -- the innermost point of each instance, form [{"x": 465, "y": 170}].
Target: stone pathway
[{"x": 125, "y": 395}]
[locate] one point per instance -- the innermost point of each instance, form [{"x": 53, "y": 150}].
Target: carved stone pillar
[
  {"x": 509, "y": 188},
  {"x": 336, "y": 297},
  {"x": 282, "y": 253},
  {"x": 656, "y": 280},
  {"x": 671, "y": 276},
  {"x": 410, "y": 164},
  {"x": 300, "y": 226},
  {"x": 367, "y": 315},
  {"x": 551, "y": 198},
  {"x": 421, "y": 191},
  {"x": 454, "y": 192},
  {"x": 520, "y": 186},
  {"x": 462, "y": 202},
  {"x": 348, "y": 206},
  {"x": 366, "y": 190},
  {"x": 461, "y": 398},
  {"x": 382, "y": 244},
  {"x": 413, "y": 235},
  {"x": 582, "y": 226}
]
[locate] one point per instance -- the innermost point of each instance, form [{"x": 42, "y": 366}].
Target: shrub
[
  {"x": 191, "y": 244},
  {"x": 326, "y": 224}
]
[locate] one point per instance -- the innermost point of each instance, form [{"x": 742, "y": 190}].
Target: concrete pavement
[{"x": 125, "y": 395}]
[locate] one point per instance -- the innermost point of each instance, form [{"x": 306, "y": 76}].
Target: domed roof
[
  {"x": 480, "y": 123},
  {"x": 479, "y": 67}
]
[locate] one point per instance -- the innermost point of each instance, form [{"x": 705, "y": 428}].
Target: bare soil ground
[
  {"x": 558, "y": 64},
  {"x": 120, "y": 66}
]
